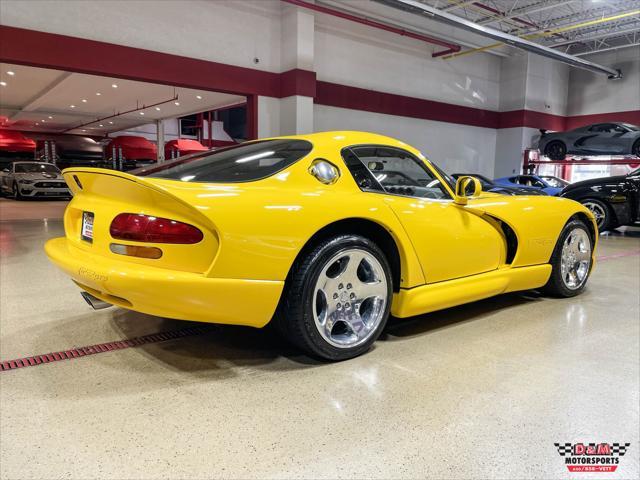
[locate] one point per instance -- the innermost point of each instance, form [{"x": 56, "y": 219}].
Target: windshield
[
  {"x": 556, "y": 182},
  {"x": 635, "y": 128},
  {"x": 240, "y": 163},
  {"x": 36, "y": 168}
]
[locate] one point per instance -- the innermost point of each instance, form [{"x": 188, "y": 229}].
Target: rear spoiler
[{"x": 82, "y": 181}]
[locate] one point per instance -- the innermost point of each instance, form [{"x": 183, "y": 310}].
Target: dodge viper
[
  {"x": 321, "y": 235},
  {"x": 613, "y": 138}
]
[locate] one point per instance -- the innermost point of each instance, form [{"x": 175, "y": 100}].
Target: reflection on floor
[{"x": 483, "y": 390}]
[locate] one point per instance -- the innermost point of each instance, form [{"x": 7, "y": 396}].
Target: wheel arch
[{"x": 370, "y": 229}]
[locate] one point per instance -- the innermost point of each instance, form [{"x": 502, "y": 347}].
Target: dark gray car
[
  {"x": 33, "y": 179},
  {"x": 614, "y": 138}
]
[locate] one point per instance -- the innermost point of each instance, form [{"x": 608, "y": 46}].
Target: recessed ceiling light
[
  {"x": 83, "y": 130},
  {"x": 37, "y": 124},
  {"x": 3, "y": 84},
  {"x": 141, "y": 113},
  {"x": 177, "y": 103},
  {"x": 43, "y": 121},
  {"x": 11, "y": 73},
  {"x": 110, "y": 123},
  {"x": 50, "y": 117},
  {"x": 84, "y": 100},
  {"x": 101, "y": 125},
  {"x": 199, "y": 97},
  {"x": 72, "y": 106},
  {"x": 113, "y": 85},
  {"x": 158, "y": 108},
  {"x": 98, "y": 93}
]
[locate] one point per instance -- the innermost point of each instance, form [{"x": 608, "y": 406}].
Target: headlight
[{"x": 26, "y": 182}]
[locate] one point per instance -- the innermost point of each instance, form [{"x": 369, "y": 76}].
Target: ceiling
[
  {"x": 44, "y": 100},
  {"x": 577, "y": 27}
]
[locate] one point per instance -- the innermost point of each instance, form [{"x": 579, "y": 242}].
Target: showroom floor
[{"x": 477, "y": 391}]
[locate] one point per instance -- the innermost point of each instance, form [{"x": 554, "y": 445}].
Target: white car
[{"x": 33, "y": 179}]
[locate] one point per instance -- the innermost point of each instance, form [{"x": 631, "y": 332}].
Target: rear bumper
[{"x": 168, "y": 293}]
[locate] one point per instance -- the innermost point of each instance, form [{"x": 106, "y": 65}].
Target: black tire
[
  {"x": 15, "y": 191},
  {"x": 602, "y": 211},
  {"x": 556, "y": 285},
  {"x": 635, "y": 150},
  {"x": 556, "y": 150},
  {"x": 294, "y": 318}
]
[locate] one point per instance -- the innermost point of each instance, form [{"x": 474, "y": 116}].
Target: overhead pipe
[
  {"x": 450, "y": 47},
  {"x": 418, "y": 8}
]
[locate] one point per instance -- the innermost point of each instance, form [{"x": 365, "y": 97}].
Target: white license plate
[{"x": 87, "y": 226}]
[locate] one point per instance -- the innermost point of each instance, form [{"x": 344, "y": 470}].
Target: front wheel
[
  {"x": 571, "y": 261},
  {"x": 15, "y": 191},
  {"x": 556, "y": 150},
  {"x": 601, "y": 211},
  {"x": 337, "y": 299}
]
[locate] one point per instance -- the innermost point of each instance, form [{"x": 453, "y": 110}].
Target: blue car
[{"x": 531, "y": 181}]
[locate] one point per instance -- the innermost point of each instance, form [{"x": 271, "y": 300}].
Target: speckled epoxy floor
[{"x": 479, "y": 391}]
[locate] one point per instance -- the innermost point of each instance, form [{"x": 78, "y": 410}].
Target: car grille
[{"x": 50, "y": 185}]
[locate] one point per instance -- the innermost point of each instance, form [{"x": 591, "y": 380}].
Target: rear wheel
[
  {"x": 571, "y": 261},
  {"x": 601, "y": 211},
  {"x": 556, "y": 150},
  {"x": 337, "y": 298}
]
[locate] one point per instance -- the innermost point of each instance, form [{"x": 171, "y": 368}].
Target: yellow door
[{"x": 450, "y": 240}]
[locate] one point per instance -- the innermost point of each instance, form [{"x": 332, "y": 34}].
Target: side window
[{"x": 400, "y": 173}]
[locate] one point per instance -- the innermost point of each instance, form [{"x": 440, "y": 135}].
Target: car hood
[
  {"x": 594, "y": 181},
  {"x": 38, "y": 176}
]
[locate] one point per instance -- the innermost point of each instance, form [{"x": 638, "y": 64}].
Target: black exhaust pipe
[{"x": 94, "y": 302}]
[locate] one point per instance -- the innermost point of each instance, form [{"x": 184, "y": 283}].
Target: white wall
[
  {"x": 356, "y": 55},
  {"x": 226, "y": 31},
  {"x": 590, "y": 93},
  {"x": 455, "y": 148}
]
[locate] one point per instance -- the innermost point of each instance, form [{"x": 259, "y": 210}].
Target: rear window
[{"x": 240, "y": 163}]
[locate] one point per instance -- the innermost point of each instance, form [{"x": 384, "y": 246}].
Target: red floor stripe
[
  {"x": 80, "y": 352},
  {"x": 631, "y": 253}
]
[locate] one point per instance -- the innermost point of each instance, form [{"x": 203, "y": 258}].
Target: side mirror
[{"x": 467, "y": 187}]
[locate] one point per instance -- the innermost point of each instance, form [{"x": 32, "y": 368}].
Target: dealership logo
[{"x": 592, "y": 457}]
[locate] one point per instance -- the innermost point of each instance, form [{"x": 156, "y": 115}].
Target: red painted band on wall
[
  {"x": 61, "y": 52},
  {"x": 343, "y": 96}
]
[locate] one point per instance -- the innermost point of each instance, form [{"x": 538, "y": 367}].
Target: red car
[
  {"x": 135, "y": 150},
  {"x": 182, "y": 146}
]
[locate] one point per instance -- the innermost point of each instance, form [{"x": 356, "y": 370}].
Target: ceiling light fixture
[
  {"x": 3, "y": 84},
  {"x": 83, "y": 130},
  {"x": 177, "y": 103},
  {"x": 158, "y": 108},
  {"x": 72, "y": 106},
  {"x": 98, "y": 93},
  {"x": 101, "y": 125},
  {"x": 37, "y": 124},
  {"x": 84, "y": 100},
  {"x": 113, "y": 85},
  {"x": 141, "y": 113},
  {"x": 110, "y": 123},
  {"x": 199, "y": 97},
  {"x": 50, "y": 117},
  {"x": 11, "y": 73}
]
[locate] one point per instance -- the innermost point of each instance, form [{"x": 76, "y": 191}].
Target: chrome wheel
[
  {"x": 350, "y": 298},
  {"x": 598, "y": 211},
  {"x": 576, "y": 259}
]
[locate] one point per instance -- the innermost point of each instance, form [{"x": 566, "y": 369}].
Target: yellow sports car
[{"x": 324, "y": 235}]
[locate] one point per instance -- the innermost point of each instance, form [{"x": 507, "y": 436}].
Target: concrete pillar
[
  {"x": 296, "y": 48},
  {"x": 160, "y": 139}
]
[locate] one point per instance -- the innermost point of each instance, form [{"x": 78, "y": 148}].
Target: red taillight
[{"x": 145, "y": 228}]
